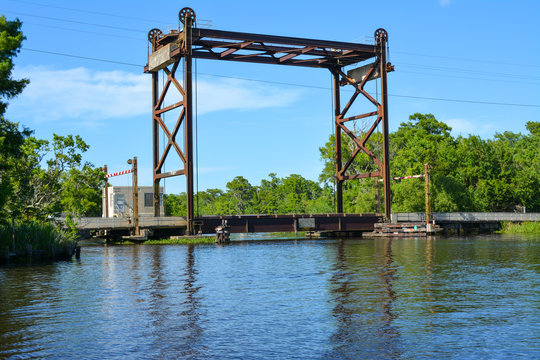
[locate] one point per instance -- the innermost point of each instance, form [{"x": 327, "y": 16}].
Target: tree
[
  {"x": 11, "y": 137},
  {"x": 11, "y": 38},
  {"x": 242, "y": 196},
  {"x": 66, "y": 184},
  {"x": 269, "y": 195},
  {"x": 175, "y": 205}
]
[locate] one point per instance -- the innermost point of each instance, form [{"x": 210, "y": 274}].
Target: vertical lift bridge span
[{"x": 190, "y": 43}]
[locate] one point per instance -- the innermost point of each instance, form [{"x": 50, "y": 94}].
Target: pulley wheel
[{"x": 186, "y": 13}]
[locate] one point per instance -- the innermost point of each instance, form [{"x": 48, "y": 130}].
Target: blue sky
[{"x": 251, "y": 123}]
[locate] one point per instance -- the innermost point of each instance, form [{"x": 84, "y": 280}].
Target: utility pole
[
  {"x": 377, "y": 197},
  {"x": 105, "y": 169},
  {"x": 428, "y": 202},
  {"x": 133, "y": 162}
]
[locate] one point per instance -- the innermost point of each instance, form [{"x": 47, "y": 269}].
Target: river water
[{"x": 446, "y": 298}]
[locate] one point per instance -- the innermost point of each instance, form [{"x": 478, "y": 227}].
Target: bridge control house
[{"x": 118, "y": 201}]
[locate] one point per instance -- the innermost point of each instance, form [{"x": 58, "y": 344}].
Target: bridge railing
[
  {"x": 91, "y": 223},
  {"x": 468, "y": 217}
]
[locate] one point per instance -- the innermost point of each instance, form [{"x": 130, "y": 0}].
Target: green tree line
[
  {"x": 39, "y": 179},
  {"x": 468, "y": 174}
]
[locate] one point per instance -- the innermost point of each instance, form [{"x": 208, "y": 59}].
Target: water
[{"x": 449, "y": 298}]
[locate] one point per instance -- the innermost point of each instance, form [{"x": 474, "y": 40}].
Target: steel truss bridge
[{"x": 189, "y": 42}]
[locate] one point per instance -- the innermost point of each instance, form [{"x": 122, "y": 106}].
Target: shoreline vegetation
[
  {"x": 526, "y": 227},
  {"x": 34, "y": 240}
]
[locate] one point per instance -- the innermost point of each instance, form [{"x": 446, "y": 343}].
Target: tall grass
[
  {"x": 526, "y": 227},
  {"x": 33, "y": 237}
]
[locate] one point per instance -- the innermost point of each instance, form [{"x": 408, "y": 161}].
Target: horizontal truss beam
[{"x": 268, "y": 49}]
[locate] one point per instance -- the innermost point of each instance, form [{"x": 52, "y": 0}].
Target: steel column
[
  {"x": 382, "y": 38},
  {"x": 188, "y": 126},
  {"x": 155, "y": 141},
  {"x": 337, "y": 133}
]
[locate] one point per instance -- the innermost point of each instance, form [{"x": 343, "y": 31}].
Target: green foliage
[
  {"x": 39, "y": 178},
  {"x": 11, "y": 39},
  {"x": 526, "y": 227},
  {"x": 241, "y": 196},
  {"x": 292, "y": 194},
  {"x": 175, "y": 205},
  {"x": 39, "y": 235},
  {"x": 11, "y": 137},
  {"x": 65, "y": 185},
  {"x": 468, "y": 173}
]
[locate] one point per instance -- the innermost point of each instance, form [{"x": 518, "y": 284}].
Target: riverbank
[
  {"x": 35, "y": 241},
  {"x": 526, "y": 227}
]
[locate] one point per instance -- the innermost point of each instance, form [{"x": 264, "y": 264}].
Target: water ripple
[{"x": 453, "y": 298}]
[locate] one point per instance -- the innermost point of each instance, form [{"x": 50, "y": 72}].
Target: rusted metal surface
[
  {"x": 105, "y": 204},
  {"x": 289, "y": 223},
  {"x": 135, "y": 189},
  {"x": 187, "y": 16},
  {"x": 378, "y": 69},
  {"x": 191, "y": 42},
  {"x": 269, "y": 49},
  {"x": 382, "y": 37},
  {"x": 428, "y": 193},
  {"x": 337, "y": 134},
  {"x": 165, "y": 226}
]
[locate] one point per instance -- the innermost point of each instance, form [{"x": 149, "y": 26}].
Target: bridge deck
[
  {"x": 163, "y": 226},
  {"x": 240, "y": 223}
]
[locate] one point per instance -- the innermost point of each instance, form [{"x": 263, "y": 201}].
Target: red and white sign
[{"x": 118, "y": 173}]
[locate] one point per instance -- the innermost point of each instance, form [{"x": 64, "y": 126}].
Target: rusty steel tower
[{"x": 189, "y": 42}]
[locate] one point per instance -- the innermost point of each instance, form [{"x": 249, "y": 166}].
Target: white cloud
[
  {"x": 91, "y": 96},
  {"x": 80, "y": 94},
  {"x": 445, "y": 2}
]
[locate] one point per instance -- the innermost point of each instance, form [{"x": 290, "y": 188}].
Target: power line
[
  {"x": 163, "y": 22},
  {"x": 464, "y": 101},
  {"x": 467, "y": 77},
  {"x": 76, "y": 22},
  {"x": 83, "y": 57},
  {"x": 453, "y": 69},
  {"x": 292, "y": 84},
  {"x": 85, "y": 11},
  {"x": 464, "y": 59},
  {"x": 86, "y": 31}
]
